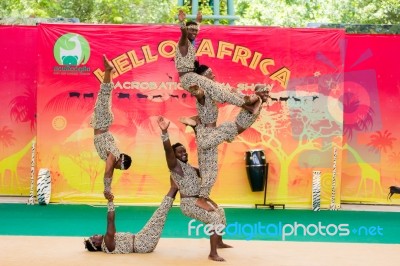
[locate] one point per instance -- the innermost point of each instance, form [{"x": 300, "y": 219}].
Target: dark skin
[
  {"x": 187, "y": 34},
  {"x": 108, "y": 237},
  {"x": 173, "y": 165}
]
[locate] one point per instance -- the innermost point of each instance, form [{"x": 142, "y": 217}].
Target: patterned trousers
[
  {"x": 102, "y": 119},
  {"x": 216, "y": 91},
  {"x": 147, "y": 239},
  {"x": 215, "y": 218},
  {"x": 208, "y": 140}
]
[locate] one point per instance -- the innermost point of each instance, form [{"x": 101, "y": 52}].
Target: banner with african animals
[
  {"x": 300, "y": 128},
  {"x": 297, "y": 130}
]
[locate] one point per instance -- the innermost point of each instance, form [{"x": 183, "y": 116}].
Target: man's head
[
  {"x": 262, "y": 91},
  {"x": 93, "y": 243},
  {"x": 124, "y": 162},
  {"x": 192, "y": 29},
  {"x": 180, "y": 152}
]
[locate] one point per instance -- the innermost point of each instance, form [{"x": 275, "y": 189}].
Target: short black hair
[
  {"x": 191, "y": 23},
  {"x": 89, "y": 246},
  {"x": 201, "y": 69},
  {"x": 176, "y": 145},
  {"x": 127, "y": 161}
]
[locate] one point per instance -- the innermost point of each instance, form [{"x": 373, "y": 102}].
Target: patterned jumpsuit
[
  {"x": 208, "y": 139},
  {"x": 189, "y": 185},
  {"x": 216, "y": 91},
  {"x": 145, "y": 240},
  {"x": 102, "y": 119}
]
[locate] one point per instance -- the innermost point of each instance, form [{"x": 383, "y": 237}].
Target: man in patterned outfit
[
  {"x": 101, "y": 121},
  {"x": 209, "y": 136},
  {"x": 188, "y": 181},
  {"x": 144, "y": 241},
  {"x": 185, "y": 58}
]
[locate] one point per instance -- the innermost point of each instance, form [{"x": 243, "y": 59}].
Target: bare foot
[
  {"x": 202, "y": 203},
  {"x": 255, "y": 107},
  {"x": 196, "y": 91},
  {"x": 188, "y": 121},
  {"x": 215, "y": 257},
  {"x": 223, "y": 245},
  {"x": 251, "y": 99}
]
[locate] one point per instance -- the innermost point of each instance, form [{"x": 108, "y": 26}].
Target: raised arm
[
  {"x": 169, "y": 152},
  {"x": 108, "y": 173},
  {"x": 199, "y": 17},
  {"x": 183, "y": 44},
  {"x": 108, "y": 70},
  {"x": 109, "y": 236}
]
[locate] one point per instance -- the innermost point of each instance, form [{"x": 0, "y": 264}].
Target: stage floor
[{"x": 43, "y": 251}]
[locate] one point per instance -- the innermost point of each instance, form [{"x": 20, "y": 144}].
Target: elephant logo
[{"x": 71, "y": 49}]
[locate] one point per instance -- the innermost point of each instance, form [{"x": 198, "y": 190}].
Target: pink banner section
[
  {"x": 18, "y": 98},
  {"x": 371, "y": 132}
]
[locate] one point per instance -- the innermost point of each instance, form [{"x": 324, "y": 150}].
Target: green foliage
[{"x": 287, "y": 13}]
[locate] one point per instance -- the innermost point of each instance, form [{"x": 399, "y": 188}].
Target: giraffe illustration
[
  {"x": 367, "y": 172},
  {"x": 10, "y": 163}
]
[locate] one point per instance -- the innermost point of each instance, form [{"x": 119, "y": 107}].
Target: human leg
[
  {"x": 103, "y": 116},
  {"x": 245, "y": 119},
  {"x": 214, "y": 240},
  {"x": 208, "y": 166},
  {"x": 212, "y": 137},
  {"x": 105, "y": 143},
  {"x": 189, "y": 120},
  {"x": 216, "y": 91},
  {"x": 214, "y": 219},
  {"x": 147, "y": 239},
  {"x": 227, "y": 131}
]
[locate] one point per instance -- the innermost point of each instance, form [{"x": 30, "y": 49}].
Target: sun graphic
[{"x": 59, "y": 122}]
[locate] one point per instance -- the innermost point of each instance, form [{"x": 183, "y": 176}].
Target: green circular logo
[{"x": 71, "y": 49}]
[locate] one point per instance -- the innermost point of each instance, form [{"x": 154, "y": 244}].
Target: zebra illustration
[
  {"x": 316, "y": 191},
  {"x": 332, "y": 207}
]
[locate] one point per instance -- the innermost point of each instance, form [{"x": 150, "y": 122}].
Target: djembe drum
[{"x": 256, "y": 169}]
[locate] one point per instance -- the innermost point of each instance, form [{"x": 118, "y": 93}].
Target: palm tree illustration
[
  {"x": 394, "y": 159},
  {"x": 6, "y": 137},
  {"x": 23, "y": 108},
  {"x": 362, "y": 115},
  {"x": 381, "y": 141}
]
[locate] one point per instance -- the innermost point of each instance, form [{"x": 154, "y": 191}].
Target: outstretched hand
[
  {"x": 162, "y": 123},
  {"x": 199, "y": 17},
  {"x": 181, "y": 16},
  {"x": 107, "y": 64},
  {"x": 108, "y": 195}
]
